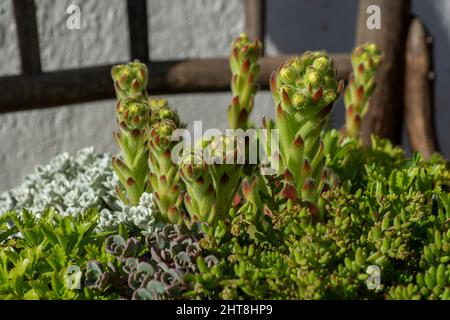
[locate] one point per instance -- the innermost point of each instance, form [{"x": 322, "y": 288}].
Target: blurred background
[{"x": 177, "y": 29}]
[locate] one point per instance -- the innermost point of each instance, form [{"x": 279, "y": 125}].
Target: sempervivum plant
[
  {"x": 133, "y": 116},
  {"x": 164, "y": 174},
  {"x": 365, "y": 61},
  {"x": 151, "y": 268},
  {"x": 245, "y": 71},
  {"x": 212, "y": 175},
  {"x": 304, "y": 90}
]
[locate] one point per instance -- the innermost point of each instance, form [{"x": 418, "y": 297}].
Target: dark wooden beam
[
  {"x": 94, "y": 83},
  {"x": 138, "y": 29},
  {"x": 386, "y": 109},
  {"x": 25, "y": 16},
  {"x": 255, "y": 19},
  {"x": 419, "y": 76}
]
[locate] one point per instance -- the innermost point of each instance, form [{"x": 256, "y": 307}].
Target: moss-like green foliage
[{"x": 398, "y": 222}]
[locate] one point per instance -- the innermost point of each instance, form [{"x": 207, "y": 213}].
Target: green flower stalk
[
  {"x": 164, "y": 174},
  {"x": 304, "y": 90},
  {"x": 133, "y": 116},
  {"x": 245, "y": 71},
  {"x": 212, "y": 176},
  {"x": 365, "y": 62},
  {"x": 130, "y": 79}
]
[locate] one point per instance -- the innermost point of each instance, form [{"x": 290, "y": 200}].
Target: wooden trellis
[{"x": 34, "y": 89}]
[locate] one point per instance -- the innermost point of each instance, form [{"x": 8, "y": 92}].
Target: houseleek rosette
[
  {"x": 164, "y": 174},
  {"x": 365, "y": 62},
  {"x": 133, "y": 115},
  {"x": 304, "y": 90},
  {"x": 212, "y": 175},
  {"x": 130, "y": 79},
  {"x": 245, "y": 71}
]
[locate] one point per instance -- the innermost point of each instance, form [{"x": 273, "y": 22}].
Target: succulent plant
[
  {"x": 240, "y": 237},
  {"x": 365, "y": 61},
  {"x": 304, "y": 90},
  {"x": 70, "y": 183},
  {"x": 164, "y": 174},
  {"x": 133, "y": 114},
  {"x": 154, "y": 267},
  {"x": 200, "y": 194},
  {"x": 245, "y": 71},
  {"x": 251, "y": 217},
  {"x": 212, "y": 176},
  {"x": 130, "y": 79}
]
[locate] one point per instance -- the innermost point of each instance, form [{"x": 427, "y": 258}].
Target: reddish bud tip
[
  {"x": 163, "y": 179},
  {"x": 279, "y": 110},
  {"x": 236, "y": 200},
  {"x": 285, "y": 97},
  {"x": 135, "y": 133},
  {"x": 287, "y": 175},
  {"x": 235, "y": 101},
  {"x": 326, "y": 111},
  {"x": 298, "y": 142},
  {"x": 224, "y": 179},
  {"x": 361, "y": 68},
  {"x": 289, "y": 192},
  {"x": 273, "y": 82},
  {"x": 246, "y": 65},
  {"x": 135, "y": 84},
  {"x": 318, "y": 95},
  {"x": 306, "y": 166},
  {"x": 130, "y": 181},
  {"x": 309, "y": 185},
  {"x": 246, "y": 188},
  {"x": 350, "y": 110},
  {"x": 200, "y": 181},
  {"x": 187, "y": 199},
  {"x": 341, "y": 86}
]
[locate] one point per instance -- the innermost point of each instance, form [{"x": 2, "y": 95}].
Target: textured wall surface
[{"x": 178, "y": 29}]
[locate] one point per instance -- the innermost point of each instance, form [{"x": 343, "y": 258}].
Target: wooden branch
[
  {"x": 25, "y": 16},
  {"x": 138, "y": 29},
  {"x": 88, "y": 84},
  {"x": 385, "y": 114},
  {"x": 419, "y": 102},
  {"x": 255, "y": 19}
]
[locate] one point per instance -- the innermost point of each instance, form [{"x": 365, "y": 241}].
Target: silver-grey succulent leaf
[{"x": 73, "y": 184}]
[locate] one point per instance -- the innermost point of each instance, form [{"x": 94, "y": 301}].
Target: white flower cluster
[{"x": 74, "y": 184}]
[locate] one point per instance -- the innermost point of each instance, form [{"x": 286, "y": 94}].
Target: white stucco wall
[{"x": 178, "y": 29}]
